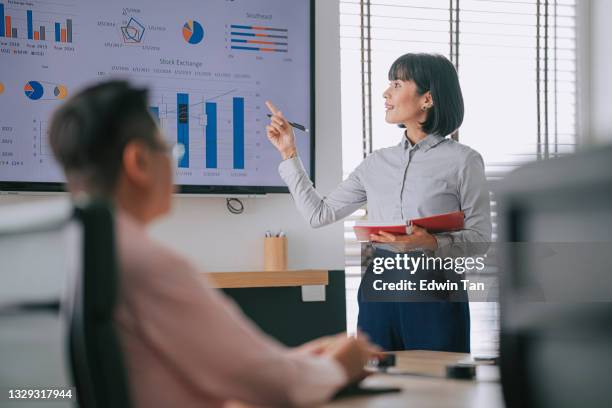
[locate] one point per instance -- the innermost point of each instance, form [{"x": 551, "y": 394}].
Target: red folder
[{"x": 436, "y": 223}]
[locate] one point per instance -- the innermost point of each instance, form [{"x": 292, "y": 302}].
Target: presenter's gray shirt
[{"x": 399, "y": 183}]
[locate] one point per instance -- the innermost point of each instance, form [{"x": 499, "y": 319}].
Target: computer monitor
[{"x": 210, "y": 66}]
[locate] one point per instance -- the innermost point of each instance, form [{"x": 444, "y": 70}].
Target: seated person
[{"x": 185, "y": 344}]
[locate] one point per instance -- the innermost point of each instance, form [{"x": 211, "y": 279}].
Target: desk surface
[
  {"x": 263, "y": 279},
  {"x": 427, "y": 385}
]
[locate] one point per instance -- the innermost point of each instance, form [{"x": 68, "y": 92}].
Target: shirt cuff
[
  {"x": 290, "y": 167},
  {"x": 444, "y": 241}
]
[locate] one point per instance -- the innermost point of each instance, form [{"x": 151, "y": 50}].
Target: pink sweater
[{"x": 186, "y": 345}]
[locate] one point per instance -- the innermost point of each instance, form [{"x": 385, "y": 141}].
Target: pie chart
[
  {"x": 60, "y": 91},
  {"x": 33, "y": 90},
  {"x": 193, "y": 32},
  {"x": 1, "y": 88}
]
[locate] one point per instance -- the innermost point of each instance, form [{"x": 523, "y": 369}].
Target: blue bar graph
[
  {"x": 2, "y": 20},
  {"x": 57, "y": 32},
  {"x": 211, "y": 135},
  {"x": 238, "y": 133},
  {"x": 182, "y": 126},
  {"x": 30, "y": 25},
  {"x": 244, "y": 34},
  {"x": 155, "y": 112}
]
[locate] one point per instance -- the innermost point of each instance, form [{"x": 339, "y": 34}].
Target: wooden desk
[
  {"x": 428, "y": 387},
  {"x": 266, "y": 279}
]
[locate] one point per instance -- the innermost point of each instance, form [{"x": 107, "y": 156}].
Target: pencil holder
[{"x": 275, "y": 253}]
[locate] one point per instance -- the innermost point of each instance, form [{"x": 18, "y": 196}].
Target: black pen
[{"x": 295, "y": 125}]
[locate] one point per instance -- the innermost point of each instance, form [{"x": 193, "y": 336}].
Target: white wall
[
  {"x": 203, "y": 229},
  {"x": 595, "y": 68}
]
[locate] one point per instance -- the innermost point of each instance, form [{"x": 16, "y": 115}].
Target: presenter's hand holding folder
[{"x": 448, "y": 222}]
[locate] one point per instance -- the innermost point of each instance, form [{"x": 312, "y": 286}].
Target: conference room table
[{"x": 421, "y": 375}]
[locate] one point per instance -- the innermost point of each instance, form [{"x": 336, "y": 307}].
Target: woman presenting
[{"x": 425, "y": 174}]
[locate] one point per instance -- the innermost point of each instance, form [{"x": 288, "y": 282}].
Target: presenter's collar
[{"x": 427, "y": 143}]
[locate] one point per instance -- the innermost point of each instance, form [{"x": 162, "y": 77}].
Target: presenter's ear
[
  {"x": 428, "y": 99},
  {"x": 136, "y": 163}
]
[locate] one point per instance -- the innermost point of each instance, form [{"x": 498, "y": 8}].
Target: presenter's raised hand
[{"x": 280, "y": 133}]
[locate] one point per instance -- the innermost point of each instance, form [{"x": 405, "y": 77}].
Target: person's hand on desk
[
  {"x": 352, "y": 353},
  {"x": 317, "y": 346},
  {"x": 280, "y": 133},
  {"x": 419, "y": 238}
]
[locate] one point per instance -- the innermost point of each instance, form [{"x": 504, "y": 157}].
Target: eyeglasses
[
  {"x": 178, "y": 151},
  {"x": 175, "y": 151}
]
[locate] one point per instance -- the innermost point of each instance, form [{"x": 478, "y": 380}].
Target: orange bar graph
[
  {"x": 63, "y": 35},
  {"x": 36, "y": 35},
  {"x": 7, "y": 26}
]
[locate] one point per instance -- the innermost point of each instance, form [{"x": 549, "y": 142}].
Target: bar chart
[
  {"x": 198, "y": 129},
  {"x": 258, "y": 38},
  {"x": 63, "y": 34},
  {"x": 34, "y": 30},
  {"x": 211, "y": 135}
]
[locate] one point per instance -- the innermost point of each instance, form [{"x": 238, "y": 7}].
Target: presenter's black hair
[
  {"x": 436, "y": 74},
  {"x": 88, "y": 134}
]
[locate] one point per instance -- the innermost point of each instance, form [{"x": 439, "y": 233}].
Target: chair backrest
[
  {"x": 39, "y": 244},
  {"x": 53, "y": 252},
  {"x": 96, "y": 355},
  {"x": 556, "y": 286}
]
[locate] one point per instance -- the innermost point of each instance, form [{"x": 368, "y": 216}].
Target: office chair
[
  {"x": 68, "y": 254},
  {"x": 96, "y": 356},
  {"x": 555, "y": 343}
]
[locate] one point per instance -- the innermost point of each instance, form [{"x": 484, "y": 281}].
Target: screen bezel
[{"x": 49, "y": 187}]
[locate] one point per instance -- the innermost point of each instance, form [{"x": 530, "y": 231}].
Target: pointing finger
[{"x": 271, "y": 106}]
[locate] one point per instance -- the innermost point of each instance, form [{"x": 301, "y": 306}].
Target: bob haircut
[{"x": 436, "y": 74}]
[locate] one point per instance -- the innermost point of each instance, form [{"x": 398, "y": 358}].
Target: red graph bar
[
  {"x": 36, "y": 36},
  {"x": 63, "y": 35},
  {"x": 7, "y": 26}
]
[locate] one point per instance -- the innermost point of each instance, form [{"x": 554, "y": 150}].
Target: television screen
[{"x": 209, "y": 64}]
